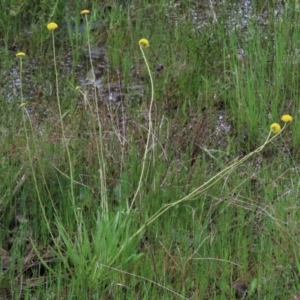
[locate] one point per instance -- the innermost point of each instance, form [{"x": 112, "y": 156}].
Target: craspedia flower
[
  {"x": 20, "y": 54},
  {"x": 275, "y": 128},
  {"x": 286, "y": 118},
  {"x": 85, "y": 12},
  {"x": 22, "y": 104},
  {"x": 52, "y": 26},
  {"x": 144, "y": 43}
]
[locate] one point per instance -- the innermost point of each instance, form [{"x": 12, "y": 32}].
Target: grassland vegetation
[{"x": 160, "y": 171}]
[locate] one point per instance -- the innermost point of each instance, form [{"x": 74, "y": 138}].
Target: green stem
[
  {"x": 150, "y": 129},
  {"x": 63, "y": 129}
]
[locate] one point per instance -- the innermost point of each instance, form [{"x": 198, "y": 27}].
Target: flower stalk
[{"x": 144, "y": 43}]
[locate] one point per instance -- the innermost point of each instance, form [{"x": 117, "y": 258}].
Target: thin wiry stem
[
  {"x": 150, "y": 129},
  {"x": 63, "y": 128},
  {"x": 99, "y": 145},
  {"x": 25, "y": 111}
]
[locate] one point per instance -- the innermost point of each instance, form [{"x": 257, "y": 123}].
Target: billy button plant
[
  {"x": 51, "y": 27},
  {"x": 275, "y": 131}
]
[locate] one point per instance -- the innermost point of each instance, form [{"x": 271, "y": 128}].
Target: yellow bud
[
  {"x": 286, "y": 118},
  {"x": 52, "y": 26},
  {"x": 275, "y": 128},
  {"x": 144, "y": 43},
  {"x": 20, "y": 54}
]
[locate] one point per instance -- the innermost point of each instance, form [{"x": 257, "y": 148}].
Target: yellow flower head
[
  {"x": 22, "y": 104},
  {"x": 85, "y": 12},
  {"x": 275, "y": 128},
  {"x": 20, "y": 54},
  {"x": 77, "y": 88},
  {"x": 52, "y": 26},
  {"x": 286, "y": 118},
  {"x": 144, "y": 43}
]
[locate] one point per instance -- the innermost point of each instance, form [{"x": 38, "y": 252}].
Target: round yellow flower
[
  {"x": 20, "y": 54},
  {"x": 286, "y": 118},
  {"x": 52, "y": 26},
  {"x": 275, "y": 128},
  {"x": 84, "y": 12},
  {"x": 144, "y": 43}
]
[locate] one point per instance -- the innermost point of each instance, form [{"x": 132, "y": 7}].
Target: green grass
[{"x": 81, "y": 220}]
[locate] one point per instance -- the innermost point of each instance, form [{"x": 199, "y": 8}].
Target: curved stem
[{"x": 150, "y": 129}]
